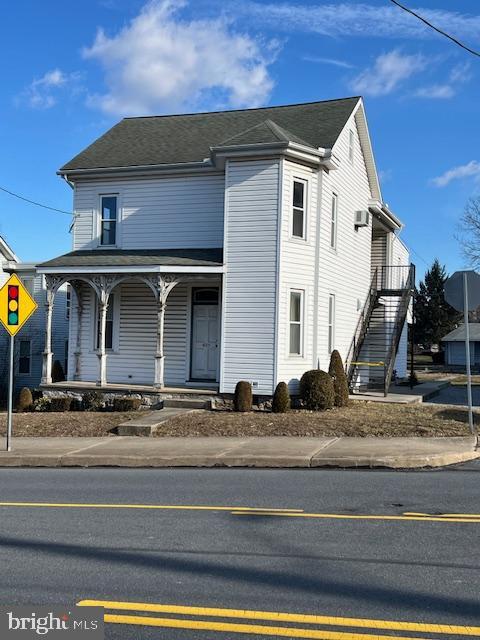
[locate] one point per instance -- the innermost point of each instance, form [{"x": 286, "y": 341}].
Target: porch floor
[{"x": 79, "y": 387}]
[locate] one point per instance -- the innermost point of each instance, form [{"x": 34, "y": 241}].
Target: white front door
[{"x": 205, "y": 342}]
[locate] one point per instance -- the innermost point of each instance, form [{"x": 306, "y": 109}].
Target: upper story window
[
  {"x": 351, "y": 145},
  {"x": 108, "y": 220},
  {"x": 334, "y": 221},
  {"x": 299, "y": 210}
]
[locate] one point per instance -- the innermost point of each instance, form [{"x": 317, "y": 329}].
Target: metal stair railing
[
  {"x": 361, "y": 328},
  {"x": 401, "y": 315}
]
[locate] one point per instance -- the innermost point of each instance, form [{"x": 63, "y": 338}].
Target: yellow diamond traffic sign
[{"x": 16, "y": 305}]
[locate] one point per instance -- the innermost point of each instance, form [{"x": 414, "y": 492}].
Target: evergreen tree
[{"x": 434, "y": 317}]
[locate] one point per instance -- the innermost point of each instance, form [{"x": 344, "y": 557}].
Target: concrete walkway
[
  {"x": 272, "y": 452},
  {"x": 403, "y": 394}
]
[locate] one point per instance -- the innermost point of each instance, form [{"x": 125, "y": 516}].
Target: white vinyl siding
[
  {"x": 345, "y": 272},
  {"x": 296, "y": 272},
  {"x": 154, "y": 213},
  {"x": 331, "y": 323},
  {"x": 249, "y": 293},
  {"x": 296, "y": 322},
  {"x": 351, "y": 145},
  {"x": 401, "y": 257}
]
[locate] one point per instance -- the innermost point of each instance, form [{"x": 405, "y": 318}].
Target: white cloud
[
  {"x": 358, "y": 19},
  {"x": 161, "y": 62},
  {"x": 331, "y": 61},
  {"x": 387, "y": 73},
  {"x": 42, "y": 93},
  {"x": 472, "y": 169},
  {"x": 385, "y": 175},
  {"x": 458, "y": 76}
]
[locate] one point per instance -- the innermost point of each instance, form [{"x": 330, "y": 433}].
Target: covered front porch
[{"x": 140, "y": 321}]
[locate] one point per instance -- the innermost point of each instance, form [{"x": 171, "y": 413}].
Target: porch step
[{"x": 186, "y": 403}]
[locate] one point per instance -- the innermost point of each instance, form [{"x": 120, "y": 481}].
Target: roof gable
[{"x": 189, "y": 138}]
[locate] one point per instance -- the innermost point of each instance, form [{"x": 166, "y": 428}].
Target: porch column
[
  {"x": 47, "y": 353},
  {"x": 102, "y": 353},
  {"x": 77, "y": 287},
  {"x": 159, "y": 353},
  {"x": 163, "y": 286}
]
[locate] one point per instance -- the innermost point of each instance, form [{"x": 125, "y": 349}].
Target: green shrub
[
  {"x": 339, "y": 377},
  {"x": 243, "y": 398},
  {"x": 316, "y": 390},
  {"x": 60, "y": 404},
  {"x": 281, "y": 399},
  {"x": 93, "y": 401},
  {"x": 24, "y": 400},
  {"x": 58, "y": 374},
  {"x": 126, "y": 404}
]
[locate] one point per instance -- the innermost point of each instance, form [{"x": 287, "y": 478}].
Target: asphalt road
[{"x": 400, "y": 569}]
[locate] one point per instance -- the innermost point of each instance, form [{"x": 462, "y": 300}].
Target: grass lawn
[
  {"x": 359, "y": 419},
  {"x": 73, "y": 423}
]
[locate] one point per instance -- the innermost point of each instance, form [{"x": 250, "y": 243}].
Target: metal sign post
[
  {"x": 16, "y": 307},
  {"x": 467, "y": 352},
  {"x": 10, "y": 395}
]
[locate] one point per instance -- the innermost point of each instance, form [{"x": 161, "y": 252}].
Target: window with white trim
[
  {"x": 109, "y": 326},
  {"x": 108, "y": 220},
  {"x": 25, "y": 357},
  {"x": 331, "y": 323},
  {"x": 296, "y": 322},
  {"x": 334, "y": 221},
  {"x": 299, "y": 209},
  {"x": 351, "y": 145}
]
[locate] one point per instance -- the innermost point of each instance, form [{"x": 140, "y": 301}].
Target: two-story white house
[{"x": 216, "y": 247}]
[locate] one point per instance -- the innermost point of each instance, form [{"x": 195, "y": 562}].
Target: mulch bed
[
  {"x": 71, "y": 423},
  {"x": 360, "y": 419}
]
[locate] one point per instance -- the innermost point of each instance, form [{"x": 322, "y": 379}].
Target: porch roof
[{"x": 145, "y": 259}]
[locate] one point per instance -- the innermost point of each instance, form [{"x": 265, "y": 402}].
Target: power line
[
  {"x": 38, "y": 204},
  {"x": 437, "y": 29}
]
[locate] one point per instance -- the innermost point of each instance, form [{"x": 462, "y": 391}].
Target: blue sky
[{"x": 69, "y": 75}]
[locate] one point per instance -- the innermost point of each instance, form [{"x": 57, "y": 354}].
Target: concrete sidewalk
[{"x": 272, "y": 452}]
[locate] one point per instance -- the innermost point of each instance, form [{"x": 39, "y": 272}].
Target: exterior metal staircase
[{"x": 371, "y": 358}]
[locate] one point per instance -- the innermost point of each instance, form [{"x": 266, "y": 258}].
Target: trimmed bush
[
  {"x": 340, "y": 382},
  {"x": 126, "y": 404},
  {"x": 59, "y": 405},
  {"x": 316, "y": 390},
  {"x": 58, "y": 374},
  {"x": 281, "y": 399},
  {"x": 93, "y": 401},
  {"x": 243, "y": 398},
  {"x": 24, "y": 400},
  {"x": 42, "y": 404}
]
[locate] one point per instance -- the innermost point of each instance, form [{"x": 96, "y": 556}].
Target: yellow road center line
[
  {"x": 274, "y": 616},
  {"x": 82, "y": 505},
  {"x": 284, "y": 632},
  {"x": 341, "y": 516},
  {"x": 444, "y": 515}
]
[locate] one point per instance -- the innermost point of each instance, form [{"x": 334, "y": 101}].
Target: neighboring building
[
  {"x": 454, "y": 345},
  {"x": 216, "y": 247},
  {"x": 29, "y": 342}
]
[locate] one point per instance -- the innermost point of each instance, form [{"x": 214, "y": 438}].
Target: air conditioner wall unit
[{"x": 362, "y": 218}]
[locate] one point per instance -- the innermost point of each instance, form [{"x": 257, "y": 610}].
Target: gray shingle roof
[
  {"x": 139, "y": 257},
  {"x": 458, "y": 334},
  {"x": 188, "y": 138}
]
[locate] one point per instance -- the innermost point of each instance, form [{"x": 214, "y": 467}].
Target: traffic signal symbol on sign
[
  {"x": 13, "y": 305},
  {"x": 16, "y": 305}
]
